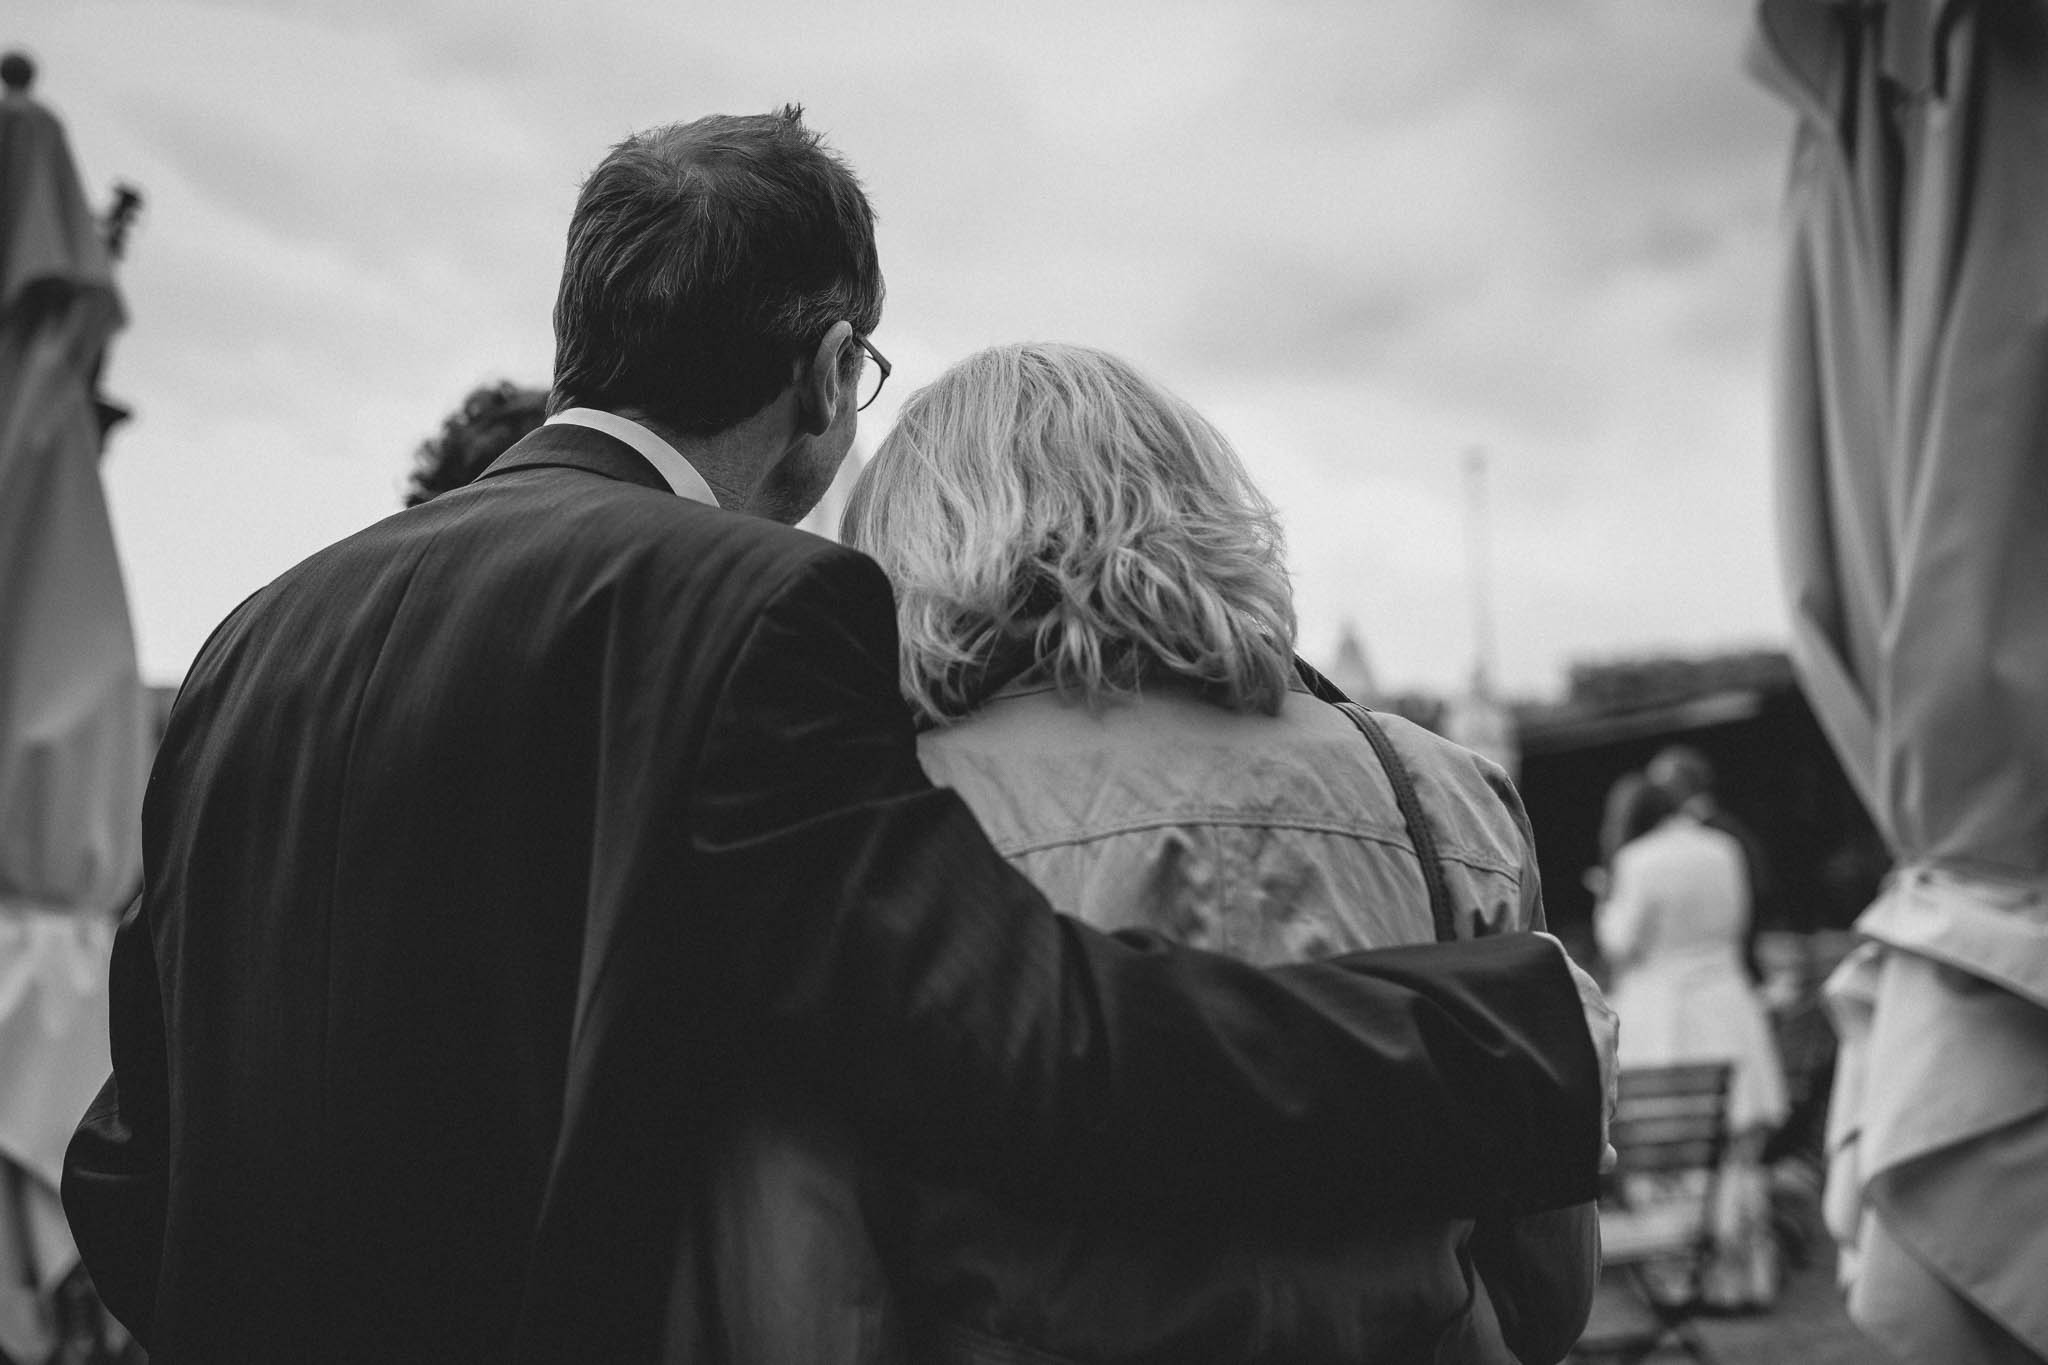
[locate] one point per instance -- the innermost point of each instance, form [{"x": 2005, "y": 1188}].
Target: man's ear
[{"x": 820, "y": 380}]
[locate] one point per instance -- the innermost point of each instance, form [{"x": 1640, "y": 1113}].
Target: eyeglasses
[{"x": 873, "y": 376}]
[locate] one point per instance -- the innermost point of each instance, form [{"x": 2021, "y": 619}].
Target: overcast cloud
[{"x": 1365, "y": 237}]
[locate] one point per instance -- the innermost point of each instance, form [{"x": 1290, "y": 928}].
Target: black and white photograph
[{"x": 1155, "y": 682}]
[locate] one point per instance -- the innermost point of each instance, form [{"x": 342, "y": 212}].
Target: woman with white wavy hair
[
  {"x": 1098, "y": 634},
  {"x": 1049, "y": 505}
]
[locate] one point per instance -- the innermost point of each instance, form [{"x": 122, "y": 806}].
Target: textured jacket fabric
[
  {"x": 1275, "y": 839},
  {"x": 494, "y": 851}
]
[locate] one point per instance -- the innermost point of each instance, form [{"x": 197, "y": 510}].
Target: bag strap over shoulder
[{"x": 1419, "y": 832}]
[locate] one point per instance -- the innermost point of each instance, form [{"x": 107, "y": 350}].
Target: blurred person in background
[
  {"x": 1687, "y": 778},
  {"x": 1097, "y": 639},
  {"x": 487, "y": 424},
  {"x": 1671, "y": 927}
]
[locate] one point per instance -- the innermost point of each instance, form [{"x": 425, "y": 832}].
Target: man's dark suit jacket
[{"x": 494, "y": 849}]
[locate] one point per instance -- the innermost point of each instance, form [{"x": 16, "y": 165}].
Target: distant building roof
[{"x": 1557, "y": 733}]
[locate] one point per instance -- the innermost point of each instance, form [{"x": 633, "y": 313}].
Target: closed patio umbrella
[
  {"x": 1912, "y": 455},
  {"x": 73, "y": 736}
]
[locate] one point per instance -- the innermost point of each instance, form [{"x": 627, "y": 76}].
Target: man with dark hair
[
  {"x": 498, "y": 851},
  {"x": 702, "y": 257}
]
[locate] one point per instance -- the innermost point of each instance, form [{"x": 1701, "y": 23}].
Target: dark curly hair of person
[{"x": 483, "y": 428}]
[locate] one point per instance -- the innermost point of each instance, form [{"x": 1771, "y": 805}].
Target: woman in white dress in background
[{"x": 1671, "y": 926}]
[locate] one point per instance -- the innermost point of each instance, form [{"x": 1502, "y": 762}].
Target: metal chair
[
  {"x": 49, "y": 1323},
  {"x": 1670, "y": 1130}
]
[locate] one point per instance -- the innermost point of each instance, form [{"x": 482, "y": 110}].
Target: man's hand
[{"x": 1605, "y": 1027}]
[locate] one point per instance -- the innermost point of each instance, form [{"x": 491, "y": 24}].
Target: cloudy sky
[{"x": 1366, "y": 236}]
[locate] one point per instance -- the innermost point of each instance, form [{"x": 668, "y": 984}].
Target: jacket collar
[
  {"x": 1306, "y": 679},
  {"x": 574, "y": 447},
  {"x": 1033, "y": 676}
]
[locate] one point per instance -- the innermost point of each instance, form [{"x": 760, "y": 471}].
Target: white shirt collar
[{"x": 666, "y": 459}]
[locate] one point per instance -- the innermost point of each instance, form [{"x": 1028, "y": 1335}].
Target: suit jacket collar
[{"x": 573, "y": 447}]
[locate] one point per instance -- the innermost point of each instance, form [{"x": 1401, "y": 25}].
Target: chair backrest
[
  {"x": 1670, "y": 1132},
  {"x": 1671, "y": 1118}
]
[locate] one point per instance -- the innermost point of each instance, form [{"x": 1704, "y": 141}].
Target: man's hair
[
  {"x": 490, "y": 419},
  {"x": 1052, "y": 497},
  {"x": 704, "y": 259}
]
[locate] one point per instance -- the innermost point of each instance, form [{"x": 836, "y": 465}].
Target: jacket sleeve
[
  {"x": 894, "y": 959},
  {"x": 1540, "y": 1271},
  {"x": 1530, "y": 876},
  {"x": 116, "y": 1168}
]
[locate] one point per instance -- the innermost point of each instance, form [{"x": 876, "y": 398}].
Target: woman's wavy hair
[{"x": 1047, "y": 504}]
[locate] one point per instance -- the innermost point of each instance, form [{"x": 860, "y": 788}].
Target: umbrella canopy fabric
[
  {"x": 1912, "y": 436},
  {"x": 73, "y": 727}
]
